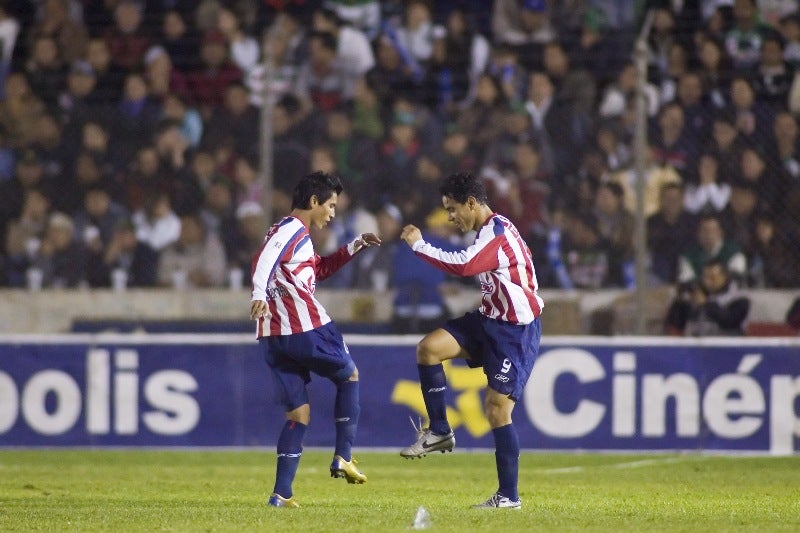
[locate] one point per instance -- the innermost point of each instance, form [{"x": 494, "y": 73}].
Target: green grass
[{"x": 80, "y": 490}]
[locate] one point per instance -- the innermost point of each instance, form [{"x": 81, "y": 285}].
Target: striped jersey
[
  {"x": 285, "y": 272},
  {"x": 502, "y": 261}
]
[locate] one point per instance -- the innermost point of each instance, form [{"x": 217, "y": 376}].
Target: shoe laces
[{"x": 418, "y": 426}]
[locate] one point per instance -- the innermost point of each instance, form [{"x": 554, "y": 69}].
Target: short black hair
[
  {"x": 319, "y": 184},
  {"x": 461, "y": 186}
]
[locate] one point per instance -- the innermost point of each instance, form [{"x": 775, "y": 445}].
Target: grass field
[{"x": 80, "y": 490}]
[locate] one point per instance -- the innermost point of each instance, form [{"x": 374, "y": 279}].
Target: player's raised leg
[{"x": 432, "y": 350}]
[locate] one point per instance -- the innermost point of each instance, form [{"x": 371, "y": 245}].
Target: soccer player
[
  {"x": 296, "y": 333},
  {"x": 502, "y": 336}
]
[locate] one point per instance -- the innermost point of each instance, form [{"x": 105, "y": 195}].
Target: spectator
[
  {"x": 19, "y": 111},
  {"x": 49, "y": 144},
  {"x": 247, "y": 235},
  {"x": 243, "y": 49},
  {"x": 99, "y": 215},
  {"x": 69, "y": 34},
  {"x": 128, "y": 39},
  {"x": 367, "y": 110},
  {"x": 622, "y": 90},
  {"x": 356, "y": 154},
  {"x": 669, "y": 230},
  {"x": 753, "y": 118},
  {"x": 391, "y": 76},
  {"x": 24, "y": 235},
  {"x": 615, "y": 225},
  {"x": 415, "y": 36},
  {"x": 28, "y": 174},
  {"x": 419, "y": 305},
  {"x": 399, "y": 151},
  {"x": 504, "y": 66},
  {"x": 9, "y": 31},
  {"x": 711, "y": 244},
  {"x": 284, "y": 44},
  {"x": 711, "y": 306},
  {"x": 739, "y": 217},
  {"x": 76, "y": 104},
  {"x": 790, "y": 31},
  {"x": 248, "y": 187},
  {"x": 784, "y": 153},
  {"x": 135, "y": 118},
  {"x": 459, "y": 56},
  {"x": 457, "y": 153},
  {"x": 197, "y": 253},
  {"x": 525, "y": 25},
  {"x": 175, "y": 108},
  {"x": 235, "y": 122},
  {"x": 179, "y": 41},
  {"x": 775, "y": 262},
  {"x": 558, "y": 131},
  {"x": 574, "y": 85},
  {"x": 354, "y": 56},
  {"x": 45, "y": 70},
  {"x": 726, "y": 143},
  {"x": 769, "y": 183},
  {"x": 521, "y": 191},
  {"x": 578, "y": 255},
  {"x": 162, "y": 78},
  {"x": 156, "y": 223},
  {"x": 482, "y": 120},
  {"x": 743, "y": 41},
  {"x": 61, "y": 257},
  {"x": 123, "y": 252},
  {"x": 208, "y": 81},
  {"x": 109, "y": 76},
  {"x": 717, "y": 70},
  {"x": 364, "y": 15},
  {"x": 774, "y": 76},
  {"x": 672, "y": 142},
  {"x": 657, "y": 174},
  {"x": 374, "y": 267},
  {"x": 320, "y": 83},
  {"x": 707, "y": 193}
]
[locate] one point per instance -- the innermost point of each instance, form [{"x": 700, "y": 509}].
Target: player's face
[
  {"x": 322, "y": 213},
  {"x": 459, "y": 214}
]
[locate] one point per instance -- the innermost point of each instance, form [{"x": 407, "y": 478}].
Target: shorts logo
[
  {"x": 501, "y": 378},
  {"x": 437, "y": 389},
  {"x": 506, "y": 366}
]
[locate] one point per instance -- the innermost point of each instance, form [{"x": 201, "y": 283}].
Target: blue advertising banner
[{"x": 584, "y": 393}]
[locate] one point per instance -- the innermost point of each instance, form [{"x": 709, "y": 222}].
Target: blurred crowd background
[{"x": 129, "y": 135}]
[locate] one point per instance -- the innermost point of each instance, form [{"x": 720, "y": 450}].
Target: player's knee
[
  {"x": 426, "y": 352},
  {"x": 300, "y": 414},
  {"x": 498, "y": 412}
]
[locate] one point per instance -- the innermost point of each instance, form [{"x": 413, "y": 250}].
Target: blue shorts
[
  {"x": 505, "y": 351},
  {"x": 292, "y": 358}
]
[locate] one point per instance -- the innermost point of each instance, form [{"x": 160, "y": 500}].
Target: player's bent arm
[
  {"x": 480, "y": 257},
  {"x": 329, "y": 265}
]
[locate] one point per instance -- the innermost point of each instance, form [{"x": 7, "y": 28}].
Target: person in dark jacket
[{"x": 712, "y": 306}]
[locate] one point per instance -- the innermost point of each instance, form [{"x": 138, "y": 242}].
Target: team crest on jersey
[{"x": 487, "y": 287}]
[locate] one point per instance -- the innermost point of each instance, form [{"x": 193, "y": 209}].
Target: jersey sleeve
[
  {"x": 328, "y": 266},
  {"x": 480, "y": 257},
  {"x": 276, "y": 249}
]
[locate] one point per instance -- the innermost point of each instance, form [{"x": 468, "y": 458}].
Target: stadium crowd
[{"x": 129, "y": 134}]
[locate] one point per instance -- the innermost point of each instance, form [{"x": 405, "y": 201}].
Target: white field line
[{"x": 626, "y": 465}]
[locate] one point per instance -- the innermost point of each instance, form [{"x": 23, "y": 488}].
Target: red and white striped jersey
[
  {"x": 502, "y": 261},
  {"x": 285, "y": 272}
]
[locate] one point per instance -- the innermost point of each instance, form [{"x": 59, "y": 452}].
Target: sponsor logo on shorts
[
  {"x": 501, "y": 378},
  {"x": 436, "y": 389}
]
